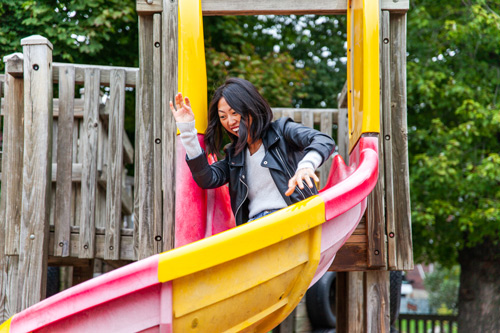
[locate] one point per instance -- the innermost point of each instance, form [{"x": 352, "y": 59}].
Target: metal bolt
[
  {"x": 387, "y": 137},
  {"x": 377, "y": 252},
  {"x": 157, "y": 44},
  {"x": 111, "y": 248},
  {"x": 391, "y": 234},
  {"x": 157, "y": 141},
  {"x": 85, "y": 246},
  {"x": 158, "y": 238},
  {"x": 386, "y": 40},
  {"x": 32, "y": 236},
  {"x": 36, "y": 67},
  {"x": 149, "y": 1},
  {"x": 61, "y": 244}
]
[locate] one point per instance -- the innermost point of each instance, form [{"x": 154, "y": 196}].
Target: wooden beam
[
  {"x": 288, "y": 7},
  {"x": 36, "y": 185},
  {"x": 105, "y": 73}
]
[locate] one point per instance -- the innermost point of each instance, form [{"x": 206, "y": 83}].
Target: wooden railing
[
  {"x": 90, "y": 199},
  {"x": 426, "y": 323}
]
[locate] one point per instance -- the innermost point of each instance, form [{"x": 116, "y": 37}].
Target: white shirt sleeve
[
  {"x": 311, "y": 160},
  {"x": 189, "y": 139}
]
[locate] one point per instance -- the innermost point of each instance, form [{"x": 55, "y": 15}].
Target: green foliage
[
  {"x": 294, "y": 60},
  {"x": 92, "y": 31},
  {"x": 442, "y": 285},
  {"x": 454, "y": 126}
]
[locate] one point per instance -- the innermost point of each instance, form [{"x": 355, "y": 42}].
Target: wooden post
[
  {"x": 376, "y": 286},
  {"x": 157, "y": 134},
  {"x": 37, "y": 167},
  {"x": 401, "y": 178},
  {"x": 13, "y": 154},
  {"x": 11, "y": 194},
  {"x": 62, "y": 214},
  {"x": 115, "y": 165},
  {"x": 169, "y": 84},
  {"x": 386, "y": 161},
  {"x": 145, "y": 140}
]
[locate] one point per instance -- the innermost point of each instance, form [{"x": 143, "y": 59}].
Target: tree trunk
[{"x": 479, "y": 294}]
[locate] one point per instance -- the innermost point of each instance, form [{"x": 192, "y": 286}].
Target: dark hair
[{"x": 244, "y": 99}]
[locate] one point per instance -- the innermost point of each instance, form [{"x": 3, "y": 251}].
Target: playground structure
[{"x": 367, "y": 250}]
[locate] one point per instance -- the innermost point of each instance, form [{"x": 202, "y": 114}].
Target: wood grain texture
[
  {"x": 145, "y": 140},
  {"x": 288, "y": 7},
  {"x": 13, "y": 146},
  {"x": 36, "y": 188},
  {"x": 169, "y": 84},
  {"x": 298, "y": 114},
  {"x": 105, "y": 73},
  {"x": 9, "y": 263},
  {"x": 325, "y": 127},
  {"x": 115, "y": 165},
  {"x": 88, "y": 138},
  {"x": 377, "y": 301},
  {"x": 401, "y": 179},
  {"x": 144, "y": 7},
  {"x": 386, "y": 138},
  {"x": 136, "y": 171},
  {"x": 62, "y": 214},
  {"x": 157, "y": 135}
]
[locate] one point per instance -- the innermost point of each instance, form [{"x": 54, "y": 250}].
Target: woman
[{"x": 268, "y": 165}]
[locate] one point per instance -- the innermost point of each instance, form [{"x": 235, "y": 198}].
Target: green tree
[
  {"x": 442, "y": 285},
  {"x": 454, "y": 140},
  {"x": 295, "y": 60},
  {"x": 102, "y": 32}
]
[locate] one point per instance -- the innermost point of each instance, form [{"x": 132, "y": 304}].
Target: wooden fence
[
  {"x": 426, "y": 323},
  {"x": 64, "y": 189}
]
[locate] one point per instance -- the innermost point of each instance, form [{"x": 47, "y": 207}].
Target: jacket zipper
[
  {"x": 286, "y": 168},
  {"x": 246, "y": 195}
]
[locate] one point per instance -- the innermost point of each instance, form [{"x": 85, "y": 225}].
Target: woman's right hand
[{"x": 183, "y": 114}]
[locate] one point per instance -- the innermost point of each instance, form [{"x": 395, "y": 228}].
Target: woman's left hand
[{"x": 301, "y": 175}]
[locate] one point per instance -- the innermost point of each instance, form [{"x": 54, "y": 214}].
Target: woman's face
[{"x": 229, "y": 118}]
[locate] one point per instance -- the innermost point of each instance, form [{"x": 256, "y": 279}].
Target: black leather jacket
[{"x": 286, "y": 143}]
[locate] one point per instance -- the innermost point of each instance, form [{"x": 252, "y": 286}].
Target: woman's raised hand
[
  {"x": 183, "y": 114},
  {"x": 304, "y": 174}
]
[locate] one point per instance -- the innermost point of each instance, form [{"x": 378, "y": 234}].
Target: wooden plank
[
  {"x": 157, "y": 134},
  {"x": 375, "y": 221},
  {"x": 169, "y": 84},
  {"x": 377, "y": 301},
  {"x": 387, "y": 142},
  {"x": 355, "y": 303},
  {"x": 13, "y": 146},
  {"x": 36, "y": 188},
  {"x": 401, "y": 179},
  {"x": 9, "y": 264},
  {"x": 115, "y": 165},
  {"x": 350, "y": 257},
  {"x": 145, "y": 141},
  {"x": 126, "y": 244},
  {"x": 105, "y": 73},
  {"x": 343, "y": 126},
  {"x": 136, "y": 171},
  {"x": 325, "y": 127},
  {"x": 289, "y": 7},
  {"x": 307, "y": 118},
  {"x": 145, "y": 7},
  {"x": 88, "y": 139},
  {"x": 62, "y": 215},
  {"x": 307, "y": 112}
]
